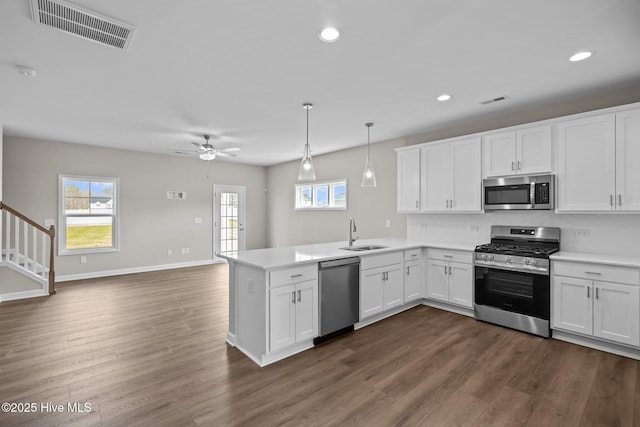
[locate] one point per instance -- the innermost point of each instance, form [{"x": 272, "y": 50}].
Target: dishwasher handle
[{"x": 338, "y": 262}]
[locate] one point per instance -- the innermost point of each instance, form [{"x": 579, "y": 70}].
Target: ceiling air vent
[
  {"x": 491, "y": 101},
  {"x": 82, "y": 23}
]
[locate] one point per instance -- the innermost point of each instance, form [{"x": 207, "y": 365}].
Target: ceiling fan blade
[
  {"x": 229, "y": 150},
  {"x": 223, "y": 154},
  {"x": 197, "y": 144}
]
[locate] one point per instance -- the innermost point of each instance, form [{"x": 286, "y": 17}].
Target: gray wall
[
  {"x": 150, "y": 224},
  {"x": 370, "y": 206}
]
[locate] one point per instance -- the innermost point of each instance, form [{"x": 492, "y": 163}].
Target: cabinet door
[
  {"x": 412, "y": 280},
  {"x": 436, "y": 178},
  {"x": 586, "y": 164},
  {"x": 282, "y": 314},
  {"x": 627, "y": 159},
  {"x": 572, "y": 304},
  {"x": 306, "y": 310},
  {"x": 499, "y": 154},
  {"x": 461, "y": 284},
  {"x": 371, "y": 292},
  {"x": 533, "y": 148},
  {"x": 466, "y": 176},
  {"x": 437, "y": 279},
  {"x": 393, "y": 291},
  {"x": 409, "y": 180},
  {"x": 617, "y": 312}
]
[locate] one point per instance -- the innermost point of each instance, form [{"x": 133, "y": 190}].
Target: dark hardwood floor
[{"x": 149, "y": 349}]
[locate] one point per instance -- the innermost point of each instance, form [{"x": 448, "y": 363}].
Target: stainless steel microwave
[{"x": 519, "y": 192}]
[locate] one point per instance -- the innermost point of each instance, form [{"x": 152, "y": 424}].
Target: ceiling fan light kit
[
  {"x": 368, "y": 176},
  {"x": 307, "y": 172}
]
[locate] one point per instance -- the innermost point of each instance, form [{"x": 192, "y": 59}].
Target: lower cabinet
[
  {"x": 589, "y": 305},
  {"x": 413, "y": 280},
  {"x": 293, "y": 314},
  {"x": 381, "y": 283},
  {"x": 450, "y": 277}
]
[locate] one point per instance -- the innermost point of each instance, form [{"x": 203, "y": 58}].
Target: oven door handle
[{"x": 490, "y": 265}]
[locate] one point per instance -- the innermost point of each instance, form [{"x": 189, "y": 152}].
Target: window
[
  {"x": 331, "y": 195},
  {"x": 88, "y": 214}
]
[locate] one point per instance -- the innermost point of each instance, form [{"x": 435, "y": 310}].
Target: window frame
[
  {"x": 62, "y": 216},
  {"x": 330, "y": 196}
]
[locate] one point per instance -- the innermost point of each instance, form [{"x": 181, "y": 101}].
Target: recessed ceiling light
[
  {"x": 580, "y": 56},
  {"x": 444, "y": 97},
  {"x": 329, "y": 35}
]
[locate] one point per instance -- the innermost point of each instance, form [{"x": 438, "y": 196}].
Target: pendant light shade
[
  {"x": 368, "y": 176},
  {"x": 306, "y": 172}
]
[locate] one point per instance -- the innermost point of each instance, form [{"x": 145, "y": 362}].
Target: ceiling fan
[{"x": 209, "y": 152}]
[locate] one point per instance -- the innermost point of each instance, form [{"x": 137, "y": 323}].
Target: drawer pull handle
[
  {"x": 595, "y": 273},
  {"x": 295, "y": 276},
  {"x": 448, "y": 256}
]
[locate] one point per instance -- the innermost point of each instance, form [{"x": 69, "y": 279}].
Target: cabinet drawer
[
  {"x": 289, "y": 276},
  {"x": 454, "y": 256},
  {"x": 605, "y": 273},
  {"x": 412, "y": 254},
  {"x": 373, "y": 261}
]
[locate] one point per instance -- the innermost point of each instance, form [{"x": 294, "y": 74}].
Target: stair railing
[{"x": 33, "y": 256}]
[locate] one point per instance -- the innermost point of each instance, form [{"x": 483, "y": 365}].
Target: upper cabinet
[
  {"x": 409, "y": 180},
  {"x": 451, "y": 176},
  {"x": 597, "y": 163},
  {"x": 526, "y": 151}
]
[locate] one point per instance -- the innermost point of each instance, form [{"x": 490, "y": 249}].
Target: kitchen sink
[{"x": 364, "y": 248}]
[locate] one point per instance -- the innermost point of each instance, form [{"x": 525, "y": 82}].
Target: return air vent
[
  {"x": 82, "y": 23},
  {"x": 491, "y": 101}
]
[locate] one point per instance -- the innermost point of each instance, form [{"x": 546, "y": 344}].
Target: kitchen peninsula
[{"x": 274, "y": 300}]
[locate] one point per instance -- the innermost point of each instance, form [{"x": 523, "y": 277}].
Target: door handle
[
  {"x": 597, "y": 294},
  {"x": 417, "y": 204},
  {"x": 445, "y": 270},
  {"x": 299, "y": 296},
  {"x": 611, "y": 199},
  {"x": 513, "y": 166},
  {"x": 519, "y": 167},
  {"x": 588, "y": 292},
  {"x": 619, "y": 199},
  {"x": 293, "y": 297},
  {"x": 407, "y": 271},
  {"x": 449, "y": 270}
]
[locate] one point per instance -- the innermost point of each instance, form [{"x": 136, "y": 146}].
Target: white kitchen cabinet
[
  {"x": 451, "y": 178},
  {"x": 381, "y": 283},
  {"x": 413, "y": 277},
  {"x": 450, "y": 277},
  {"x": 597, "y": 163},
  {"x": 526, "y": 151},
  {"x": 627, "y": 161},
  {"x": 293, "y": 314},
  {"x": 590, "y": 305},
  {"x": 409, "y": 180},
  {"x": 293, "y": 306}
]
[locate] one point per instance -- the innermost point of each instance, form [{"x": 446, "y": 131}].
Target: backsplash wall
[{"x": 613, "y": 234}]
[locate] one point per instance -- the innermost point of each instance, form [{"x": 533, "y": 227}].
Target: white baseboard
[
  {"x": 121, "y": 271},
  {"x": 22, "y": 295}
]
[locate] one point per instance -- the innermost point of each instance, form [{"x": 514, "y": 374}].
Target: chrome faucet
[{"x": 352, "y": 229}]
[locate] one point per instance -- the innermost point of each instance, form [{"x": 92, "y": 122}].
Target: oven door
[{"x": 514, "y": 291}]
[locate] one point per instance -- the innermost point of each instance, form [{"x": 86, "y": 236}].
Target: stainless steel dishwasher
[{"x": 339, "y": 287}]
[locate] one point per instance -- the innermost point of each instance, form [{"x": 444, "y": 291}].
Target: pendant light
[
  {"x": 307, "y": 173},
  {"x": 368, "y": 176}
]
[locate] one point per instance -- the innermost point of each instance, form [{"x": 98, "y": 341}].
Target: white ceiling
[{"x": 240, "y": 70}]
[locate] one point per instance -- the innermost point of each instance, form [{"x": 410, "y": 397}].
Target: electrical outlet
[
  {"x": 83, "y": 259},
  {"x": 250, "y": 286},
  {"x": 472, "y": 228},
  {"x": 186, "y": 251},
  {"x": 198, "y": 220},
  {"x": 582, "y": 233},
  {"x": 169, "y": 252},
  {"x": 388, "y": 223}
]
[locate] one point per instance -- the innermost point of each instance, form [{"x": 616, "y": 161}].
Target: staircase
[{"x": 26, "y": 256}]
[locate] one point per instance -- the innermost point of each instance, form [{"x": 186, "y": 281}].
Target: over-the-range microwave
[{"x": 518, "y": 192}]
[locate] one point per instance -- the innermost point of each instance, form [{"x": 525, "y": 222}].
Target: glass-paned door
[{"x": 229, "y": 213}]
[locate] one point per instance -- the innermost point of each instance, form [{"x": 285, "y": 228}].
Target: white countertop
[
  {"x": 291, "y": 255},
  {"x": 617, "y": 260}
]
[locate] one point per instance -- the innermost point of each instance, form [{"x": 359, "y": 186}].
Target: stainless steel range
[{"x": 512, "y": 280}]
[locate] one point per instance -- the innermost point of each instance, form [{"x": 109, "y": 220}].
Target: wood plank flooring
[{"x": 149, "y": 349}]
